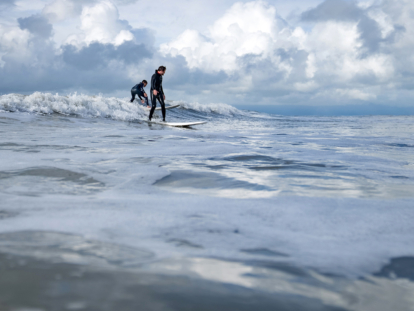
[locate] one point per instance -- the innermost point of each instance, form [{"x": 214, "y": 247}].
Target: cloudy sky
[{"x": 293, "y": 53}]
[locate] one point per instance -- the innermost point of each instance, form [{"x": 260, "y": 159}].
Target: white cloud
[
  {"x": 14, "y": 43},
  {"x": 100, "y": 23},
  {"x": 245, "y": 29},
  {"x": 60, "y": 10},
  {"x": 337, "y": 53}
]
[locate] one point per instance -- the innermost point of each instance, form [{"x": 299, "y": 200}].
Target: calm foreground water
[{"x": 101, "y": 211}]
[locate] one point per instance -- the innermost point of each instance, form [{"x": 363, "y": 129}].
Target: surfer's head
[
  {"x": 145, "y": 82},
  {"x": 161, "y": 70}
]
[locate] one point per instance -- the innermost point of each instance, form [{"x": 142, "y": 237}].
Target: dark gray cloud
[
  {"x": 58, "y": 76},
  {"x": 6, "y": 3},
  {"x": 98, "y": 55},
  {"x": 338, "y": 10},
  {"x": 370, "y": 33},
  {"x": 37, "y": 25},
  {"x": 144, "y": 36},
  {"x": 185, "y": 78},
  {"x": 268, "y": 78},
  {"x": 22, "y": 78}
]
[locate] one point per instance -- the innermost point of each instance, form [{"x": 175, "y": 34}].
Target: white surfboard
[
  {"x": 166, "y": 107},
  {"x": 178, "y": 124}
]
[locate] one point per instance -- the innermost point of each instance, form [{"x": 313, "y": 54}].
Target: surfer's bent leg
[
  {"x": 154, "y": 104},
  {"x": 133, "y": 94}
]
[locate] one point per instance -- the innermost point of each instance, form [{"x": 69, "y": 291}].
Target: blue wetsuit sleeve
[{"x": 139, "y": 90}]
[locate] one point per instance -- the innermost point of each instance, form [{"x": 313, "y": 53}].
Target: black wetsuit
[
  {"x": 139, "y": 90},
  {"x": 156, "y": 84}
]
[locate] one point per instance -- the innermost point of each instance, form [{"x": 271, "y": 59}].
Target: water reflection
[{"x": 55, "y": 271}]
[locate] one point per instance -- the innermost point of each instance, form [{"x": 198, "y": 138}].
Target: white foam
[
  {"x": 74, "y": 104},
  {"x": 223, "y": 109},
  {"x": 95, "y": 106}
]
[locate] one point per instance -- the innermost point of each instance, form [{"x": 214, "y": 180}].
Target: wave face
[{"x": 97, "y": 106}]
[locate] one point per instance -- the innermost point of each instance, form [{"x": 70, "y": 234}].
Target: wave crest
[
  {"x": 79, "y": 105},
  {"x": 223, "y": 109},
  {"x": 96, "y": 106}
]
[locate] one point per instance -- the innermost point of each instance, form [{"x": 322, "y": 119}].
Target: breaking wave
[
  {"x": 95, "y": 106},
  {"x": 79, "y": 105}
]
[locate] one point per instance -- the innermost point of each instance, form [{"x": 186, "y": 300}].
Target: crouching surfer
[
  {"x": 157, "y": 93},
  {"x": 139, "y": 90}
]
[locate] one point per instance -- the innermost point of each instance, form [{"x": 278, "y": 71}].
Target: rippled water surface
[{"x": 317, "y": 207}]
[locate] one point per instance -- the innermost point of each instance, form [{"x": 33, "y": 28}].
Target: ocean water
[{"x": 250, "y": 211}]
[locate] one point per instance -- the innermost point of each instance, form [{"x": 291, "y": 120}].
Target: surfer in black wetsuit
[
  {"x": 139, "y": 90},
  {"x": 157, "y": 92}
]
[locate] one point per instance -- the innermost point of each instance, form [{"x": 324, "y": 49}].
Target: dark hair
[
  {"x": 144, "y": 81},
  {"x": 162, "y": 68}
]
